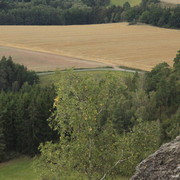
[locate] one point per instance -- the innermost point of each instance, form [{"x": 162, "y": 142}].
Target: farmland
[
  {"x": 172, "y": 1},
  {"x": 39, "y": 61},
  {"x": 119, "y": 44},
  {"x": 121, "y": 2}
]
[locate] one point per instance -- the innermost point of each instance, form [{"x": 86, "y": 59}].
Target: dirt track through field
[
  {"x": 41, "y": 61},
  {"x": 118, "y": 44}
]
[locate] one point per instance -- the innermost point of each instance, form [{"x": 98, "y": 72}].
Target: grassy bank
[{"x": 18, "y": 169}]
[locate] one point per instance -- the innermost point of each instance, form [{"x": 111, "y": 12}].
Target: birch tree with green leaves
[
  {"x": 88, "y": 143},
  {"x": 91, "y": 140}
]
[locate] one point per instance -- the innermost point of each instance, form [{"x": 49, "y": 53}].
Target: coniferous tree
[{"x": 13, "y": 76}]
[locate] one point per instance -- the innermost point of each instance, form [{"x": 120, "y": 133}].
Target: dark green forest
[
  {"x": 13, "y": 76},
  {"x": 70, "y": 12},
  {"x": 106, "y": 121},
  {"x": 24, "y": 108}
]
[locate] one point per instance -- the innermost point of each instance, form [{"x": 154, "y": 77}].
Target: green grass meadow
[
  {"x": 22, "y": 169},
  {"x": 121, "y": 2},
  {"x": 18, "y": 169}
]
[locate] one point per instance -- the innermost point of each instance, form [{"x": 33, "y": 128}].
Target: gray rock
[{"x": 164, "y": 164}]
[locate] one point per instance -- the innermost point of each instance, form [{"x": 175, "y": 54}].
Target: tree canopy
[
  {"x": 13, "y": 76},
  {"x": 110, "y": 123}
]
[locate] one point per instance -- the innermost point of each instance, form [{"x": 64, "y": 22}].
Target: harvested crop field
[
  {"x": 40, "y": 61},
  {"x": 172, "y": 1},
  {"x": 137, "y": 46}
]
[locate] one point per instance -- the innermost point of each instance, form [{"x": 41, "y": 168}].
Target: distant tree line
[
  {"x": 150, "y": 12},
  {"x": 25, "y": 107},
  {"x": 70, "y": 12}
]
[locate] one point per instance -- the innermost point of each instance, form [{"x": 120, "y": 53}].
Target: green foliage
[
  {"x": 2, "y": 142},
  {"x": 2, "y": 139},
  {"x": 24, "y": 109},
  {"x": 174, "y": 18},
  {"x": 145, "y": 17},
  {"x": 82, "y": 134},
  {"x": 106, "y": 124},
  {"x": 13, "y": 76},
  {"x": 145, "y": 3},
  {"x": 24, "y": 115},
  {"x": 96, "y": 2},
  {"x": 38, "y": 2},
  {"x": 164, "y": 81},
  {"x": 170, "y": 128},
  {"x": 69, "y": 12},
  {"x": 158, "y": 73},
  {"x": 126, "y": 6},
  {"x": 136, "y": 145},
  {"x": 176, "y": 65},
  {"x": 91, "y": 117}
]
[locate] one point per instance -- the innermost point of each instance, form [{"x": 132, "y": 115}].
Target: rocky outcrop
[{"x": 164, "y": 164}]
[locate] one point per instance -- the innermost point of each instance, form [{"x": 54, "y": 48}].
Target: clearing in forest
[{"x": 118, "y": 44}]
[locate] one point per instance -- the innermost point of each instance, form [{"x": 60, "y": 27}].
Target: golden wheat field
[{"x": 137, "y": 46}]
